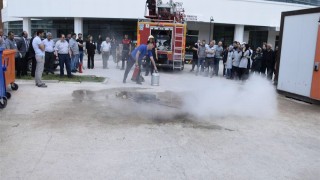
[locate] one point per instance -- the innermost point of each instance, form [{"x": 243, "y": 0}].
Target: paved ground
[{"x": 190, "y": 127}]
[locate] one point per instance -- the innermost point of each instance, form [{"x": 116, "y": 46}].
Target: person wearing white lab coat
[
  {"x": 236, "y": 57},
  {"x": 243, "y": 65},
  {"x": 229, "y": 62}
]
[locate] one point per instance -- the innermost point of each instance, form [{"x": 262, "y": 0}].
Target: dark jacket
[
  {"x": 225, "y": 55},
  {"x": 91, "y": 47},
  {"x": 31, "y": 52},
  {"x": 256, "y": 61},
  {"x": 22, "y": 47},
  {"x": 269, "y": 57},
  {"x": 99, "y": 40},
  {"x": 195, "y": 52}
]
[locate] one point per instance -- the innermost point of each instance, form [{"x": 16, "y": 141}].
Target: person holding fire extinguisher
[{"x": 136, "y": 58}]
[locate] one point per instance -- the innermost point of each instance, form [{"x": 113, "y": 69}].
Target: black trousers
[
  {"x": 263, "y": 70},
  {"x": 64, "y": 59},
  {"x": 24, "y": 67},
  {"x": 125, "y": 56},
  {"x": 18, "y": 64},
  {"x": 209, "y": 62},
  {"x": 243, "y": 74},
  {"x": 235, "y": 72},
  {"x": 194, "y": 63},
  {"x": 270, "y": 70},
  {"x": 90, "y": 61},
  {"x": 130, "y": 64},
  {"x": 149, "y": 66},
  {"x": 224, "y": 68},
  {"x": 34, "y": 65},
  {"x": 49, "y": 62}
]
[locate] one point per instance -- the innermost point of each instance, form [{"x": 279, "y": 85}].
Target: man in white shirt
[
  {"x": 62, "y": 51},
  {"x": 105, "y": 49},
  {"x": 39, "y": 51},
  {"x": 49, "y": 54},
  {"x": 210, "y": 51}
]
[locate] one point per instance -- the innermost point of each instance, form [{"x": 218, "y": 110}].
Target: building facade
[{"x": 252, "y": 21}]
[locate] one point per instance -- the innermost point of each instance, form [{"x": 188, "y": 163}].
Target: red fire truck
[{"x": 165, "y": 22}]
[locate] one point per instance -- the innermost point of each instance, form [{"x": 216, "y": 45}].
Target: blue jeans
[
  {"x": 64, "y": 59},
  {"x": 81, "y": 56},
  {"x": 216, "y": 66},
  {"x": 200, "y": 63},
  {"x": 74, "y": 61}
]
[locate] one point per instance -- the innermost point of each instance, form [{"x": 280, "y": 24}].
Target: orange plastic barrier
[{"x": 8, "y": 58}]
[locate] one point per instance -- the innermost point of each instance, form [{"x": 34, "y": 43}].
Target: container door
[{"x": 315, "y": 91}]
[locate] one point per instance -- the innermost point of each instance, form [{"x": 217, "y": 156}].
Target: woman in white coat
[
  {"x": 244, "y": 62},
  {"x": 229, "y": 62},
  {"x": 236, "y": 57}
]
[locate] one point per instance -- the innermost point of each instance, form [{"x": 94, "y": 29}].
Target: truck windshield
[{"x": 163, "y": 39}]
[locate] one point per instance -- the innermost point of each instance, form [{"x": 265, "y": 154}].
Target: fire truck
[{"x": 165, "y": 22}]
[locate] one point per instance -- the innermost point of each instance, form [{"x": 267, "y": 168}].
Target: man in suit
[{"x": 23, "y": 46}]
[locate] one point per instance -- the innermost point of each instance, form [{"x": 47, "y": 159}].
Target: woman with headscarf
[{"x": 256, "y": 61}]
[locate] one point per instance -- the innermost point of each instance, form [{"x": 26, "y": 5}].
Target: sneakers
[{"x": 42, "y": 85}]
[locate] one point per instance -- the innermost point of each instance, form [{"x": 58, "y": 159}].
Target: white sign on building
[{"x": 191, "y": 18}]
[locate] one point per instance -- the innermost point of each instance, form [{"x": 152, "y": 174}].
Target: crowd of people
[
  {"x": 239, "y": 60},
  {"x": 67, "y": 51}
]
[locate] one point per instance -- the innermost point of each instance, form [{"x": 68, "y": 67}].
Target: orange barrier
[
  {"x": 8, "y": 58},
  {"x": 315, "y": 91}
]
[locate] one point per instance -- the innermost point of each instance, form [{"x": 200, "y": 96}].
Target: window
[
  {"x": 224, "y": 33},
  {"x": 256, "y": 38}
]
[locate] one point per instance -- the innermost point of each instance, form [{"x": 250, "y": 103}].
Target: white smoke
[{"x": 221, "y": 98}]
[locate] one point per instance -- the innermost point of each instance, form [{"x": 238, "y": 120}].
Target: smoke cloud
[{"x": 220, "y": 98}]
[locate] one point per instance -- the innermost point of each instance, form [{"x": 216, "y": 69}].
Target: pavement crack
[{"x": 41, "y": 156}]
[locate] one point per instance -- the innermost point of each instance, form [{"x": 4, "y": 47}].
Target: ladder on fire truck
[{"x": 178, "y": 47}]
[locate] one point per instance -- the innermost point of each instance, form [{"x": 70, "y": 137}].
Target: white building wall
[
  {"x": 203, "y": 29},
  {"x": 238, "y": 33},
  {"x": 272, "y": 37},
  {"x": 249, "y": 12}
]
